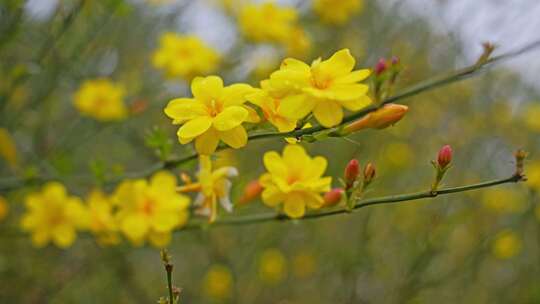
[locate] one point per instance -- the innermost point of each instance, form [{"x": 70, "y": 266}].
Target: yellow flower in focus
[
  {"x": 214, "y": 113},
  {"x": 101, "y": 99},
  {"x": 218, "y": 282},
  {"x": 4, "y": 208},
  {"x": 214, "y": 186},
  {"x": 150, "y": 210},
  {"x": 530, "y": 117},
  {"x": 294, "y": 180},
  {"x": 8, "y": 149},
  {"x": 272, "y": 266},
  {"x": 101, "y": 219},
  {"x": 184, "y": 56},
  {"x": 337, "y": 12},
  {"x": 325, "y": 88},
  {"x": 506, "y": 245},
  {"x": 270, "y": 103},
  {"x": 504, "y": 200},
  {"x": 267, "y": 22},
  {"x": 53, "y": 215}
]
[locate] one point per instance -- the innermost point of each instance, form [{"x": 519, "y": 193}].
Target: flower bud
[
  {"x": 332, "y": 197},
  {"x": 251, "y": 191},
  {"x": 369, "y": 173},
  {"x": 380, "y": 67},
  {"x": 351, "y": 172},
  {"x": 395, "y": 60},
  {"x": 445, "y": 156},
  {"x": 384, "y": 117}
]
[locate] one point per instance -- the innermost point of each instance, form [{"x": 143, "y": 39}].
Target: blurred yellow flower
[
  {"x": 272, "y": 266},
  {"x": 504, "y": 200},
  {"x": 214, "y": 113},
  {"x": 218, "y": 282},
  {"x": 337, "y": 12},
  {"x": 8, "y": 149},
  {"x": 4, "y": 208},
  {"x": 298, "y": 44},
  {"x": 150, "y": 209},
  {"x": 324, "y": 88},
  {"x": 53, "y": 215},
  {"x": 304, "y": 264},
  {"x": 530, "y": 117},
  {"x": 506, "y": 245},
  {"x": 294, "y": 180},
  {"x": 533, "y": 174},
  {"x": 267, "y": 22},
  {"x": 399, "y": 154},
  {"x": 101, "y": 99},
  {"x": 101, "y": 219},
  {"x": 184, "y": 56},
  {"x": 270, "y": 102},
  {"x": 214, "y": 186}
]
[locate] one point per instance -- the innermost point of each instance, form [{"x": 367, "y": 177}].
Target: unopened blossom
[
  {"x": 215, "y": 113},
  {"x": 150, "y": 210},
  {"x": 294, "y": 181},
  {"x": 101, "y": 99},
  {"x": 184, "y": 56},
  {"x": 215, "y": 187},
  {"x": 324, "y": 88},
  {"x": 381, "y": 118},
  {"x": 444, "y": 157},
  {"x": 52, "y": 215}
]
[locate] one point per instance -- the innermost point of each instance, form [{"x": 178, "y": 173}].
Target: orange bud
[
  {"x": 369, "y": 173},
  {"x": 445, "y": 156},
  {"x": 351, "y": 172},
  {"x": 251, "y": 191},
  {"x": 139, "y": 106},
  {"x": 332, "y": 197},
  {"x": 382, "y": 118}
]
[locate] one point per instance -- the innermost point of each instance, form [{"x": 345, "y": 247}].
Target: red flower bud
[
  {"x": 369, "y": 173},
  {"x": 380, "y": 67},
  {"x": 445, "y": 156},
  {"x": 351, "y": 172},
  {"x": 332, "y": 197},
  {"x": 251, "y": 191}
]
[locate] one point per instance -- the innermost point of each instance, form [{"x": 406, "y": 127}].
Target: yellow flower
[
  {"x": 530, "y": 117},
  {"x": 504, "y": 200},
  {"x": 267, "y": 22},
  {"x": 218, "y": 282},
  {"x": 214, "y": 113},
  {"x": 4, "y": 208},
  {"x": 53, "y": 215},
  {"x": 294, "y": 180},
  {"x": 272, "y": 266},
  {"x": 270, "y": 102},
  {"x": 184, "y": 56},
  {"x": 8, "y": 149},
  {"x": 506, "y": 245},
  {"x": 101, "y": 219},
  {"x": 101, "y": 99},
  {"x": 214, "y": 187},
  {"x": 533, "y": 174},
  {"x": 298, "y": 44},
  {"x": 324, "y": 88},
  {"x": 150, "y": 209},
  {"x": 337, "y": 12}
]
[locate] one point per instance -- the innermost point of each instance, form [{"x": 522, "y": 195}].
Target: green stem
[{"x": 168, "y": 268}]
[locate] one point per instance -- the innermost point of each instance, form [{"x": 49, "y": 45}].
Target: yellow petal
[
  {"x": 206, "y": 144},
  {"x": 163, "y": 180},
  {"x": 63, "y": 236},
  {"x": 328, "y": 113},
  {"x": 159, "y": 239},
  {"x": 353, "y": 77},
  {"x": 296, "y": 106},
  {"x": 295, "y": 158},
  {"x": 235, "y": 95},
  {"x": 164, "y": 221},
  {"x": 274, "y": 164},
  {"x": 340, "y": 64},
  {"x": 316, "y": 167},
  {"x": 235, "y": 137},
  {"x": 294, "y": 64},
  {"x": 195, "y": 127},
  {"x": 294, "y": 206},
  {"x": 207, "y": 88},
  {"x": 356, "y": 104},
  {"x": 184, "y": 109},
  {"x": 230, "y": 117},
  {"x": 252, "y": 117},
  {"x": 135, "y": 227},
  {"x": 271, "y": 196}
]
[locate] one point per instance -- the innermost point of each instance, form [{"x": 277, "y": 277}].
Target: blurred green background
[{"x": 476, "y": 247}]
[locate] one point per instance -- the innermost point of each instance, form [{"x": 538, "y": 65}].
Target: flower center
[
  {"x": 215, "y": 108},
  {"x": 148, "y": 206}
]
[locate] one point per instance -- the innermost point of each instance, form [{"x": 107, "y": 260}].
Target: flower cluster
[
  {"x": 101, "y": 99},
  {"x": 184, "y": 56}
]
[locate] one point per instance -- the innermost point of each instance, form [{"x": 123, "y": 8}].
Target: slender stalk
[{"x": 169, "y": 283}]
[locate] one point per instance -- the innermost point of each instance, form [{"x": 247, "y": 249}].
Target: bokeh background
[{"x": 476, "y": 247}]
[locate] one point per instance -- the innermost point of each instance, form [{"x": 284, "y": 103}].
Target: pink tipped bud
[
  {"x": 380, "y": 67},
  {"x": 395, "y": 60},
  {"x": 251, "y": 191},
  {"x": 382, "y": 118},
  {"x": 369, "y": 173},
  {"x": 445, "y": 156},
  {"x": 351, "y": 172},
  {"x": 332, "y": 197}
]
